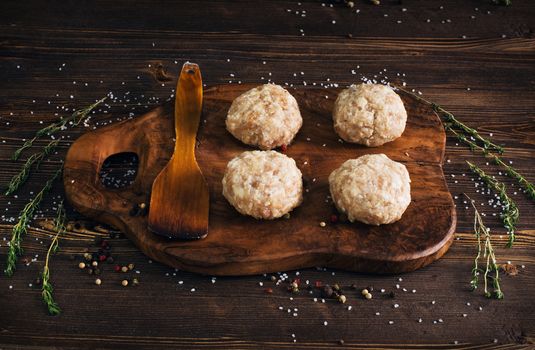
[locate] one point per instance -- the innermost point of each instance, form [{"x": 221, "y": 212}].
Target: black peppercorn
[
  {"x": 392, "y": 294},
  {"x": 327, "y": 291}
]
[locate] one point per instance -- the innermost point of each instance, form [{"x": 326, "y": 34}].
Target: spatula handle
[{"x": 188, "y": 107}]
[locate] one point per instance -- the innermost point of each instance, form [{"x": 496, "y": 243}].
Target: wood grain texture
[
  {"x": 239, "y": 245},
  {"x": 179, "y": 196},
  {"x": 105, "y": 44}
]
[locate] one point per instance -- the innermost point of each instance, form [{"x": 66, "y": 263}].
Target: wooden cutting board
[{"x": 239, "y": 245}]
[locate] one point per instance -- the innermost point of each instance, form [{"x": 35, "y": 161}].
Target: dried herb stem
[
  {"x": 524, "y": 183},
  {"x": 47, "y": 290},
  {"x": 491, "y": 271},
  {"x": 470, "y": 137},
  {"x": 453, "y": 122},
  {"x": 75, "y": 119},
  {"x": 36, "y": 158},
  {"x": 21, "y": 227},
  {"x": 510, "y": 213}
]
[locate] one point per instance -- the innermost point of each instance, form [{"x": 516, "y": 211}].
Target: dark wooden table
[{"x": 474, "y": 58}]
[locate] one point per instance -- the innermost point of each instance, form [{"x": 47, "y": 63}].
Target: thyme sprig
[
  {"x": 47, "y": 290},
  {"x": 524, "y": 183},
  {"x": 491, "y": 271},
  {"x": 471, "y": 137},
  {"x": 20, "y": 178},
  {"x": 510, "y": 213},
  {"x": 452, "y": 122},
  {"x": 21, "y": 227},
  {"x": 75, "y": 119}
]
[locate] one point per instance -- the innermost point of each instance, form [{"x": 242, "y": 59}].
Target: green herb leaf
[
  {"x": 491, "y": 272},
  {"x": 47, "y": 290},
  {"x": 21, "y": 227}
]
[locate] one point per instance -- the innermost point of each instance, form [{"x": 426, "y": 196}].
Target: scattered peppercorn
[
  {"x": 98, "y": 281},
  {"x": 94, "y": 263},
  {"x": 269, "y": 290},
  {"x": 341, "y": 342},
  {"x": 273, "y": 278},
  {"x": 124, "y": 283},
  {"x": 131, "y": 266},
  {"x": 370, "y": 288},
  {"x": 392, "y": 294},
  {"x": 135, "y": 282},
  {"x": 334, "y": 218},
  {"x": 124, "y": 269},
  {"x": 368, "y": 296},
  {"x": 342, "y": 299},
  {"x": 284, "y": 148},
  {"x": 87, "y": 256},
  {"x": 327, "y": 291},
  {"x": 117, "y": 268},
  {"x": 365, "y": 291},
  {"x": 81, "y": 265},
  {"x": 322, "y": 224},
  {"x": 353, "y": 286}
]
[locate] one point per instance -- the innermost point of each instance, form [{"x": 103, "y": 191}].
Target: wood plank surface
[{"x": 56, "y": 56}]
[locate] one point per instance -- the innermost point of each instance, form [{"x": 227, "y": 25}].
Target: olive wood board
[{"x": 241, "y": 245}]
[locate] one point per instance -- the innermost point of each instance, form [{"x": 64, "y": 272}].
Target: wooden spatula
[{"x": 179, "y": 201}]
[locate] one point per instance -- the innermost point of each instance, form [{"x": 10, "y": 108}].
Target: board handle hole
[{"x": 119, "y": 170}]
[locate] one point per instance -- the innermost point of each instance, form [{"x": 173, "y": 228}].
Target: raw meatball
[
  {"x": 372, "y": 189},
  {"x": 369, "y": 114},
  {"x": 266, "y": 116},
  {"x": 263, "y": 184}
]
